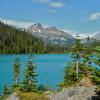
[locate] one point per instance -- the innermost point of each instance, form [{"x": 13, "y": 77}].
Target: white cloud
[
  {"x": 41, "y": 1},
  {"x": 56, "y": 4},
  {"x": 82, "y": 35},
  {"x": 51, "y": 3},
  {"x": 24, "y": 24},
  {"x": 94, "y": 16},
  {"x": 19, "y": 24},
  {"x": 72, "y": 32}
]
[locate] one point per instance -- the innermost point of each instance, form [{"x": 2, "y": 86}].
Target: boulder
[{"x": 85, "y": 82}]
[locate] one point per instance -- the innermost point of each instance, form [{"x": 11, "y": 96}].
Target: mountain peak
[
  {"x": 35, "y": 28},
  {"x": 37, "y": 25},
  {"x": 50, "y": 35}
]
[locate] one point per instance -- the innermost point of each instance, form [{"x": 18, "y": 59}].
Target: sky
[{"x": 72, "y": 16}]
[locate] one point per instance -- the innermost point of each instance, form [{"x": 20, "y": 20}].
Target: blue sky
[{"x": 73, "y": 16}]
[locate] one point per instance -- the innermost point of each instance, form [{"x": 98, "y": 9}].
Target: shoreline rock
[{"x": 74, "y": 93}]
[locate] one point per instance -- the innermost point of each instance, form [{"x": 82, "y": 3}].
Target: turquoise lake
[{"x": 50, "y": 68}]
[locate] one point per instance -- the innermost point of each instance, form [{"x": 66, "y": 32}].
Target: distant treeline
[{"x": 13, "y": 40}]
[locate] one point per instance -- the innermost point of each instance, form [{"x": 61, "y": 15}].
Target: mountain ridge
[
  {"x": 97, "y": 36},
  {"x": 51, "y": 35},
  {"x": 15, "y": 40}
]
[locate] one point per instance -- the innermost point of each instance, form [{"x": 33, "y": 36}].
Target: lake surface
[{"x": 50, "y": 68}]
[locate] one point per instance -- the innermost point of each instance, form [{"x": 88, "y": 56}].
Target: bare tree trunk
[
  {"x": 77, "y": 68},
  {"x": 77, "y": 65},
  {"x": 16, "y": 81}
]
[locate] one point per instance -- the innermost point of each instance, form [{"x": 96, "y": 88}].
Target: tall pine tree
[
  {"x": 80, "y": 65},
  {"x": 29, "y": 82},
  {"x": 16, "y": 70},
  {"x": 76, "y": 54}
]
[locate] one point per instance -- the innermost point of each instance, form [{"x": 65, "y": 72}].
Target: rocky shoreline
[{"x": 75, "y": 93}]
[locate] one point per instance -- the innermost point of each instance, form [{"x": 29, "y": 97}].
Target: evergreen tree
[
  {"x": 29, "y": 82},
  {"x": 70, "y": 76},
  {"x": 97, "y": 54},
  {"x": 76, "y": 51},
  {"x": 12, "y": 42},
  {"x": 6, "y": 90},
  {"x": 78, "y": 66},
  {"x": 71, "y": 71},
  {"x": 88, "y": 50},
  {"x": 16, "y": 70}
]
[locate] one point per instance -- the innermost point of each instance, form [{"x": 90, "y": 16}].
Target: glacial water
[{"x": 49, "y": 67}]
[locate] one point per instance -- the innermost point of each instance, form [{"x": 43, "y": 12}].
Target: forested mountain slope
[{"x": 13, "y": 40}]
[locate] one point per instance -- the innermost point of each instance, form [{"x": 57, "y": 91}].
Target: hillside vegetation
[{"x": 14, "y": 40}]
